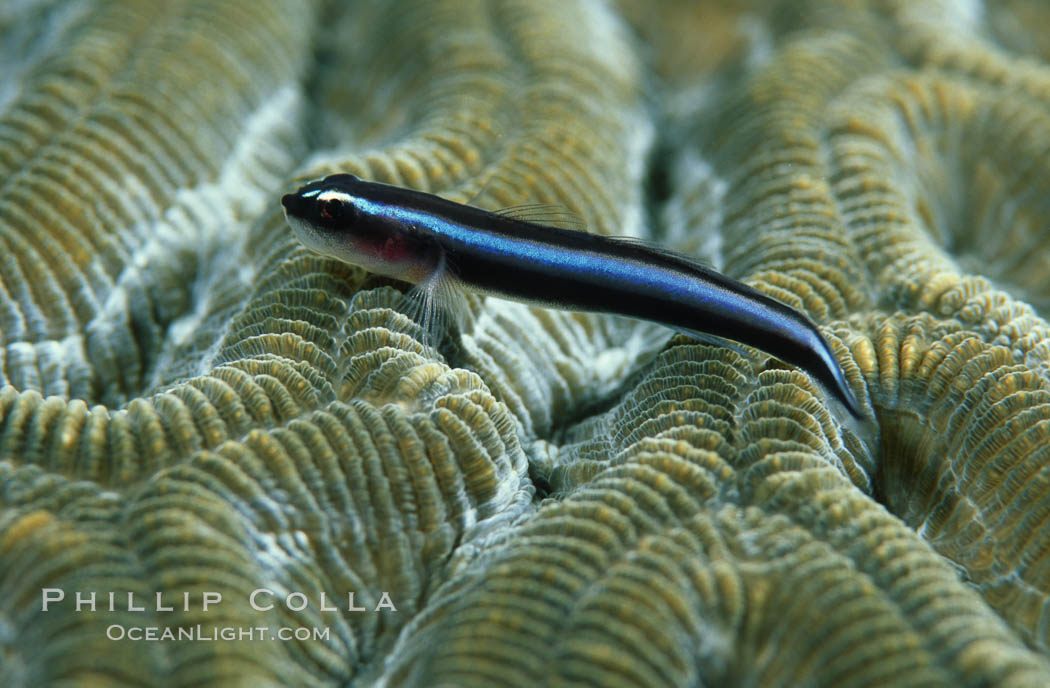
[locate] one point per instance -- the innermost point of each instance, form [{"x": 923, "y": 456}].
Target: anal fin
[{"x": 713, "y": 339}]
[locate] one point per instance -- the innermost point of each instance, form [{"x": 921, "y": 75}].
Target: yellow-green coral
[{"x": 194, "y": 404}]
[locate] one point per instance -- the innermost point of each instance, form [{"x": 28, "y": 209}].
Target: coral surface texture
[{"x": 210, "y": 434}]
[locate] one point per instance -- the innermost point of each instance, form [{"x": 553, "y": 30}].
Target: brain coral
[{"x": 194, "y": 405}]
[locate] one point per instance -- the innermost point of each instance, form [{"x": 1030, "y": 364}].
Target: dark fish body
[{"x": 422, "y": 238}]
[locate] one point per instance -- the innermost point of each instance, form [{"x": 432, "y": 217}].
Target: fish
[{"x": 527, "y": 253}]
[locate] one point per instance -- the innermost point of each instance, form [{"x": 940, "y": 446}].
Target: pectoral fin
[{"x": 435, "y": 304}]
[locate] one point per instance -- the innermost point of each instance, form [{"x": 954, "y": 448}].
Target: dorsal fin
[
  {"x": 665, "y": 252},
  {"x": 544, "y": 214},
  {"x": 481, "y": 191}
]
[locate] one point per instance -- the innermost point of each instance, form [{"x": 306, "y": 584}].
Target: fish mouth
[{"x": 293, "y": 204}]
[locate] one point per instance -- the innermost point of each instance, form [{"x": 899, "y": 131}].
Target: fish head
[
  {"x": 324, "y": 213},
  {"x": 343, "y": 217}
]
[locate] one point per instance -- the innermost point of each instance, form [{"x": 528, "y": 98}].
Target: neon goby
[{"x": 433, "y": 242}]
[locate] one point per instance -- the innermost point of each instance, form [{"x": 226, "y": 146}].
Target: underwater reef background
[{"x": 193, "y": 402}]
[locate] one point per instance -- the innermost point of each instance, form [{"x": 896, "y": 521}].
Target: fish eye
[{"x": 331, "y": 208}]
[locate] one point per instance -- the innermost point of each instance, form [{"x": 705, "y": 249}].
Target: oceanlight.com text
[{"x": 201, "y": 633}]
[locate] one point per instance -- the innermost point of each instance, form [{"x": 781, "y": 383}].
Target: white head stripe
[
  {"x": 311, "y": 194},
  {"x": 336, "y": 196}
]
